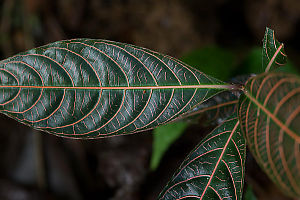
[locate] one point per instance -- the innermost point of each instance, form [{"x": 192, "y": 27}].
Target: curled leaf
[{"x": 273, "y": 52}]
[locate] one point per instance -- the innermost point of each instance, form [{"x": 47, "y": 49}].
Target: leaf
[
  {"x": 164, "y": 136},
  {"x": 273, "y": 52},
  {"x": 269, "y": 115},
  {"x": 87, "y": 88},
  {"x": 252, "y": 63},
  {"x": 217, "y": 108},
  {"x": 214, "y": 169},
  {"x": 205, "y": 60}
]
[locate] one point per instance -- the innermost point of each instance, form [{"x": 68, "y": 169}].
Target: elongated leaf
[
  {"x": 93, "y": 88},
  {"x": 270, "y": 116},
  {"x": 273, "y": 52},
  {"x": 214, "y": 169}
]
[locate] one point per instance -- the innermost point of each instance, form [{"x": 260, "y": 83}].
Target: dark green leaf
[
  {"x": 273, "y": 52},
  {"x": 87, "y": 88},
  {"x": 164, "y": 136},
  {"x": 269, "y": 114},
  {"x": 217, "y": 108},
  {"x": 214, "y": 169}
]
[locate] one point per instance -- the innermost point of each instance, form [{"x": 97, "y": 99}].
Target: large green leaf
[
  {"x": 273, "y": 52},
  {"x": 214, "y": 169},
  {"x": 86, "y": 88},
  {"x": 270, "y": 115}
]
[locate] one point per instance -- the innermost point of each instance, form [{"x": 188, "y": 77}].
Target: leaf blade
[
  {"x": 273, "y": 52},
  {"x": 268, "y": 115},
  {"x": 87, "y": 88},
  {"x": 216, "y": 109},
  {"x": 216, "y": 163}
]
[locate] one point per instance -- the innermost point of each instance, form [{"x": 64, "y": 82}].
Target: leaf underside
[
  {"x": 273, "y": 52},
  {"x": 270, "y": 115},
  {"x": 214, "y": 169},
  {"x": 87, "y": 88}
]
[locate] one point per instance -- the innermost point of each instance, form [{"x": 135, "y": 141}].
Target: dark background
[{"x": 40, "y": 166}]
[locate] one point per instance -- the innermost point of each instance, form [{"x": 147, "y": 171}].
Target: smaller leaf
[
  {"x": 214, "y": 169},
  {"x": 164, "y": 136},
  {"x": 273, "y": 52},
  {"x": 252, "y": 63}
]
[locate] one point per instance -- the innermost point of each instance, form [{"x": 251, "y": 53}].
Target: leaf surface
[
  {"x": 216, "y": 109},
  {"x": 87, "y": 88},
  {"x": 270, "y": 115},
  {"x": 273, "y": 52},
  {"x": 214, "y": 169}
]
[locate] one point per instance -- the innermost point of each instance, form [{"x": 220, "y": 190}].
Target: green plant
[{"x": 87, "y": 89}]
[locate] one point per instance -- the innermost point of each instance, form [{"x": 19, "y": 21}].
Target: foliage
[
  {"x": 216, "y": 163},
  {"x": 95, "y": 88}
]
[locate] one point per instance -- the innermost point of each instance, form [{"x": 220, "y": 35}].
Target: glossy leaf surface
[
  {"x": 270, "y": 116},
  {"x": 93, "y": 88},
  {"x": 273, "y": 52},
  {"x": 214, "y": 169}
]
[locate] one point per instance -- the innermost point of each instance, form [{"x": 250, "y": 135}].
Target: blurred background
[{"x": 220, "y": 37}]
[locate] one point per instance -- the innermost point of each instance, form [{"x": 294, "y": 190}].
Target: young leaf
[
  {"x": 87, "y": 88},
  {"x": 164, "y": 136},
  {"x": 269, "y": 115},
  {"x": 214, "y": 169},
  {"x": 273, "y": 52},
  {"x": 252, "y": 63}
]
